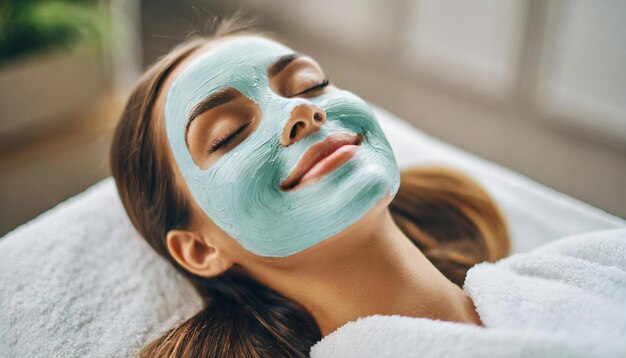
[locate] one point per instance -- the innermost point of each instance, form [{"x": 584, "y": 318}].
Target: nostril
[
  {"x": 294, "y": 129},
  {"x": 317, "y": 116}
]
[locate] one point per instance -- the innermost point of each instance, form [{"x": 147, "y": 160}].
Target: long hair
[{"x": 448, "y": 216}]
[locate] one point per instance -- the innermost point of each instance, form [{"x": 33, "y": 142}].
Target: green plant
[{"x": 28, "y": 26}]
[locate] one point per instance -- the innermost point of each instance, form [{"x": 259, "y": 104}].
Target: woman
[{"x": 278, "y": 196}]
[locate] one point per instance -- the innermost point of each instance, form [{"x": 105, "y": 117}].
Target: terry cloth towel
[{"x": 564, "y": 299}]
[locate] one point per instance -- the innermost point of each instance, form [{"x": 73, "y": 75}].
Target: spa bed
[{"x": 78, "y": 281}]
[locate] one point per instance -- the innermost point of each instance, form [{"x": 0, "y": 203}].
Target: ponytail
[{"x": 241, "y": 318}]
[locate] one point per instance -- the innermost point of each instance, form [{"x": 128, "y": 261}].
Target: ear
[{"x": 195, "y": 254}]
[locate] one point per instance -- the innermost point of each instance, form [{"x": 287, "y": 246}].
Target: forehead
[{"x": 231, "y": 58}]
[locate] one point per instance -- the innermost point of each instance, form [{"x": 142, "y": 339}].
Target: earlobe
[{"x": 192, "y": 252}]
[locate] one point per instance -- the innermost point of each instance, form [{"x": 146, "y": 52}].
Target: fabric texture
[
  {"x": 78, "y": 281},
  {"x": 565, "y": 299}
]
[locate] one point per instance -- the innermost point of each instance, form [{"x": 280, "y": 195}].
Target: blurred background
[{"x": 536, "y": 86}]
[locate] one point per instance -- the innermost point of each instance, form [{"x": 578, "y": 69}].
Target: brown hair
[{"x": 448, "y": 216}]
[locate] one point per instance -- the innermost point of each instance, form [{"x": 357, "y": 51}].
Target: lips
[{"x": 322, "y": 158}]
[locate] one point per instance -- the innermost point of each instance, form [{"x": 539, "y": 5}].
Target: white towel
[
  {"x": 79, "y": 282},
  {"x": 565, "y": 299}
]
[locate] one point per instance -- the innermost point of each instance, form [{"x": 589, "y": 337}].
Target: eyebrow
[
  {"x": 281, "y": 63},
  {"x": 216, "y": 99}
]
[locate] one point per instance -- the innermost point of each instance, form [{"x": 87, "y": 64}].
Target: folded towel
[
  {"x": 79, "y": 282},
  {"x": 565, "y": 299}
]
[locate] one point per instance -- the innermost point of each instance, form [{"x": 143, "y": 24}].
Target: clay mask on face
[{"x": 241, "y": 191}]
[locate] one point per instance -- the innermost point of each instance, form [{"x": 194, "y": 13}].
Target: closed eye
[
  {"x": 316, "y": 87},
  {"x": 224, "y": 140}
]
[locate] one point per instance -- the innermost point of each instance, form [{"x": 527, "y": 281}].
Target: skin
[{"x": 369, "y": 268}]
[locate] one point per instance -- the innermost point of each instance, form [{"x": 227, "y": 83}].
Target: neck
[{"x": 384, "y": 274}]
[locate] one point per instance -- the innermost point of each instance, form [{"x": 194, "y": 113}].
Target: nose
[{"x": 305, "y": 119}]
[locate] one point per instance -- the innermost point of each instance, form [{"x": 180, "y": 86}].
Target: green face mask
[{"x": 241, "y": 191}]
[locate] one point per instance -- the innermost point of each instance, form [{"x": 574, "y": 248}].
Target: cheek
[
  {"x": 344, "y": 106},
  {"x": 247, "y": 168}
]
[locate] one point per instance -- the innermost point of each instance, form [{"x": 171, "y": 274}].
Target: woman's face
[{"x": 275, "y": 156}]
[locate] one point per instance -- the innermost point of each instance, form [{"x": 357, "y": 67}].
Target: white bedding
[{"x": 78, "y": 281}]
